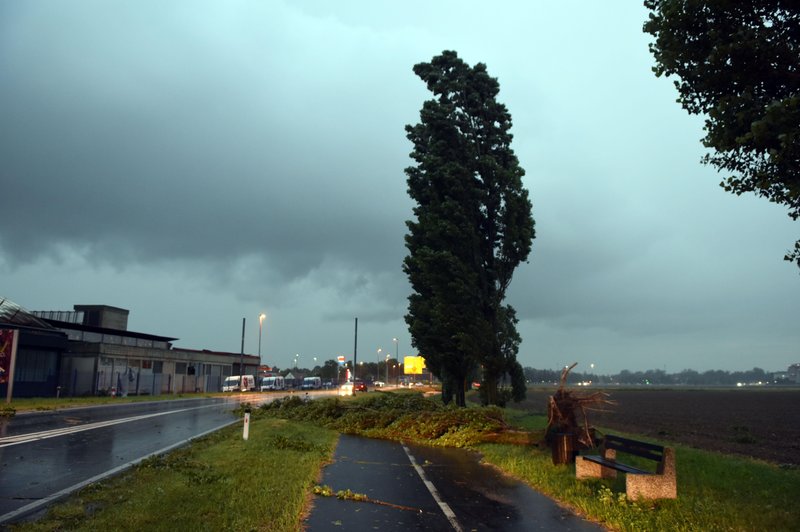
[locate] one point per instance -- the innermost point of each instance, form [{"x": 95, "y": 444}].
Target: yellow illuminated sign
[{"x": 413, "y": 365}]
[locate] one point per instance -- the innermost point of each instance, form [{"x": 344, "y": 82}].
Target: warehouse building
[{"x": 90, "y": 351}]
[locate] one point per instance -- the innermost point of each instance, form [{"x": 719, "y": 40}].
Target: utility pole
[
  {"x": 396, "y": 357},
  {"x": 355, "y": 352},
  {"x": 241, "y": 353}
]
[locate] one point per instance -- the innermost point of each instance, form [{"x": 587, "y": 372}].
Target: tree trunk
[
  {"x": 461, "y": 396},
  {"x": 490, "y": 393}
]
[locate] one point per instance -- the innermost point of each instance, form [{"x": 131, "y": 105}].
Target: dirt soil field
[{"x": 758, "y": 423}]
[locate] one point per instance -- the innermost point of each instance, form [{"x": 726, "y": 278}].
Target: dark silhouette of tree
[
  {"x": 473, "y": 227},
  {"x": 738, "y": 65}
]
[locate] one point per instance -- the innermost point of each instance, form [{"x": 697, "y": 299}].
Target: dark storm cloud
[
  {"x": 242, "y": 157},
  {"x": 207, "y": 147}
]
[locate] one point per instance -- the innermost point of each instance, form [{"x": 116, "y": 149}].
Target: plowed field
[{"x": 758, "y": 423}]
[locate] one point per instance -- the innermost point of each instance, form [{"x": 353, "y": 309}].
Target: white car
[
  {"x": 379, "y": 384},
  {"x": 346, "y": 389}
]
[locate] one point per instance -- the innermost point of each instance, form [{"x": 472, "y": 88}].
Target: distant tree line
[
  {"x": 653, "y": 377},
  {"x": 330, "y": 370},
  {"x": 371, "y": 371}
]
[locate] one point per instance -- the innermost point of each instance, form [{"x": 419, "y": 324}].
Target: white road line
[
  {"x": 448, "y": 512},
  {"x": 67, "y": 491},
  {"x": 43, "y": 435}
]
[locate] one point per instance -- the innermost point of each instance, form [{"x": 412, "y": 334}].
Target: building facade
[{"x": 89, "y": 351}]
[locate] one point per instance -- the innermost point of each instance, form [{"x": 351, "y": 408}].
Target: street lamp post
[
  {"x": 396, "y": 353},
  {"x": 241, "y": 353},
  {"x": 260, "y": 324}
]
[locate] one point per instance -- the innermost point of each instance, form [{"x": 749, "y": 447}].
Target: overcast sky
[{"x": 201, "y": 162}]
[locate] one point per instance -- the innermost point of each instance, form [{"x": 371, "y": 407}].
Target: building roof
[
  {"x": 13, "y": 314},
  {"x": 63, "y": 325}
]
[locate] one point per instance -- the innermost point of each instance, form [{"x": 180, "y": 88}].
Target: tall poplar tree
[{"x": 473, "y": 227}]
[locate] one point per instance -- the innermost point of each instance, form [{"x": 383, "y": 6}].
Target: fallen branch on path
[{"x": 348, "y": 495}]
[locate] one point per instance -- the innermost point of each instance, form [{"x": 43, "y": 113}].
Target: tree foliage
[
  {"x": 738, "y": 65},
  {"x": 473, "y": 227}
]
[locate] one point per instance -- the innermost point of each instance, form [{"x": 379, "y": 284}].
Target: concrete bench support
[{"x": 638, "y": 484}]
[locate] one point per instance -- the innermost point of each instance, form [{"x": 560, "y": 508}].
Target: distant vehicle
[
  {"x": 239, "y": 383},
  {"x": 273, "y": 383},
  {"x": 346, "y": 389},
  {"x": 311, "y": 383},
  {"x": 359, "y": 386},
  {"x": 380, "y": 384}
]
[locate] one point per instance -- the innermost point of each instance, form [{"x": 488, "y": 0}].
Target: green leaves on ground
[{"x": 398, "y": 416}]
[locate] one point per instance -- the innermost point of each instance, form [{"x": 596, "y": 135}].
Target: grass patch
[
  {"x": 220, "y": 482},
  {"x": 30, "y": 404},
  {"x": 715, "y": 492},
  {"x": 224, "y": 483}
]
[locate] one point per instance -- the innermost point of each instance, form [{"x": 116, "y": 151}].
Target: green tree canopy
[
  {"x": 473, "y": 227},
  {"x": 738, "y": 65}
]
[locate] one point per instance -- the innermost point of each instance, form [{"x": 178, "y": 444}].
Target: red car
[{"x": 359, "y": 386}]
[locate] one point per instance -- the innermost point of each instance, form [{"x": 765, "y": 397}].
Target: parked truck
[{"x": 239, "y": 383}]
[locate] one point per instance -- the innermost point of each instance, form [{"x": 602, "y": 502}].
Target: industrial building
[{"x": 90, "y": 351}]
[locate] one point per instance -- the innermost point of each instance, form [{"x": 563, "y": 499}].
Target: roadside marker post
[{"x": 246, "y": 429}]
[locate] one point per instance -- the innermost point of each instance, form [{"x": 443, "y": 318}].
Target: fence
[{"x": 134, "y": 381}]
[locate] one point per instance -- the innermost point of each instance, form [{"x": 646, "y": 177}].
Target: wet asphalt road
[
  {"x": 46, "y": 455},
  {"x": 468, "y": 496}
]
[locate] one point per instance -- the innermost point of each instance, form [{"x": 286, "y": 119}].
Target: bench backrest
[{"x": 638, "y": 448}]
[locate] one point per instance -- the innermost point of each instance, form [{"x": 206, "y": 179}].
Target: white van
[
  {"x": 239, "y": 383},
  {"x": 311, "y": 383},
  {"x": 273, "y": 383}
]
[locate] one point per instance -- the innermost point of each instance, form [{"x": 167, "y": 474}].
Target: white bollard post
[{"x": 246, "y": 431}]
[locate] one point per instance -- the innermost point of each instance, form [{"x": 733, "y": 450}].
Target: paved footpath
[{"x": 421, "y": 488}]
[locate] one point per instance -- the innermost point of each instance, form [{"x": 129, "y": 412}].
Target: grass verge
[
  {"x": 224, "y": 483},
  {"x": 715, "y": 492},
  {"x": 25, "y": 404},
  {"x": 220, "y": 482}
]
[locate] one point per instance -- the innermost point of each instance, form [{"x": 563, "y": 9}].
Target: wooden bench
[{"x": 639, "y": 483}]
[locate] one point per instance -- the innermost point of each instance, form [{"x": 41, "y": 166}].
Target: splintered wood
[{"x": 566, "y": 410}]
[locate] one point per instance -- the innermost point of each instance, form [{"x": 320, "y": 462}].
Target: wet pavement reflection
[
  {"x": 46, "y": 455},
  {"x": 478, "y": 496}
]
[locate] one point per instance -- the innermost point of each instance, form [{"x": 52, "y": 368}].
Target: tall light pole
[
  {"x": 378, "y": 368},
  {"x": 260, "y": 324},
  {"x": 296, "y": 356},
  {"x": 396, "y": 352},
  {"x": 241, "y": 353},
  {"x": 355, "y": 350}
]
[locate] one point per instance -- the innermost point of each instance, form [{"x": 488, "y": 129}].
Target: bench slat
[
  {"x": 646, "y": 450},
  {"x": 625, "y": 468}
]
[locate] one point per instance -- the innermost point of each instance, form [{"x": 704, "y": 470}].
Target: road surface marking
[
  {"x": 19, "y": 512},
  {"x": 448, "y": 512},
  {"x": 54, "y": 433}
]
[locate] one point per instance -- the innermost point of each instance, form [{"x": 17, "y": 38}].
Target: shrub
[{"x": 400, "y": 416}]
